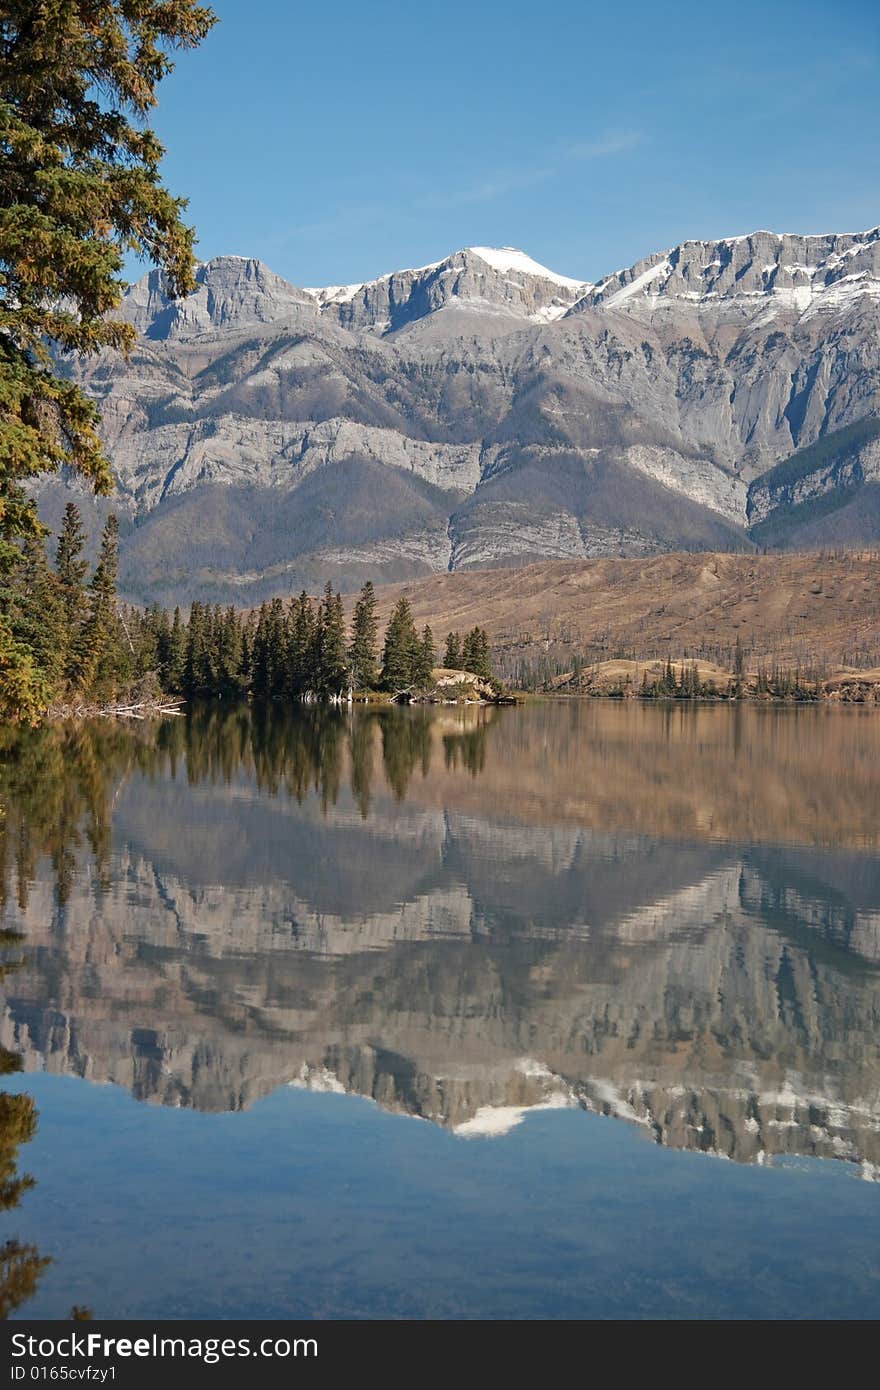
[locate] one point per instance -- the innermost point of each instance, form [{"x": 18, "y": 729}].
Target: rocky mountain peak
[
  {"x": 238, "y": 292},
  {"x": 805, "y": 274},
  {"x": 232, "y": 292},
  {"x": 499, "y": 281}
]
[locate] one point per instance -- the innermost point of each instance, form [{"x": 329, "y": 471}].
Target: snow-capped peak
[
  {"x": 499, "y": 281},
  {"x": 507, "y": 258},
  {"x": 759, "y": 273}
]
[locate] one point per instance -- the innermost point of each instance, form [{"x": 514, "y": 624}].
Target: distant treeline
[
  {"x": 687, "y": 684},
  {"x": 85, "y": 645}
]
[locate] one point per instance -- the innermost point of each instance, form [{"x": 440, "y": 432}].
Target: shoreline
[{"x": 148, "y": 712}]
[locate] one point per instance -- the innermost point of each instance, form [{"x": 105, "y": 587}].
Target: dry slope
[{"x": 792, "y": 608}]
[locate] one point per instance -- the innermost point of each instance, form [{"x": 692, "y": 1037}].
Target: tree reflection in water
[{"x": 21, "y": 1264}]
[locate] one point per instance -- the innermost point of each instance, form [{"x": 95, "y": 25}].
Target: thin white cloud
[
  {"x": 505, "y": 181},
  {"x": 606, "y": 146}
]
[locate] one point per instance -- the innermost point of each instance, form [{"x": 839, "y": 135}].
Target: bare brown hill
[{"x": 813, "y": 610}]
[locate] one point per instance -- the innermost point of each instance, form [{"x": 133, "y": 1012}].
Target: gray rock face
[
  {"x": 838, "y": 465},
  {"x": 232, "y": 292},
  {"x": 486, "y": 280},
  {"x": 802, "y": 274},
  {"x": 484, "y": 410}
]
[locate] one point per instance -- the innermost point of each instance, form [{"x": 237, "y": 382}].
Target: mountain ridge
[
  {"x": 484, "y": 410},
  {"x": 836, "y": 254}
]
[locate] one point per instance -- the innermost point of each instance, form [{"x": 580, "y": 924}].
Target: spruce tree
[
  {"x": 100, "y": 655},
  {"x": 475, "y": 653},
  {"x": 162, "y": 634},
  {"x": 248, "y": 628},
  {"x": 301, "y": 629},
  {"x": 37, "y": 611},
  {"x": 399, "y": 654},
  {"x": 362, "y": 651},
  {"x": 195, "y": 663},
  {"x": 425, "y": 659},
  {"x": 230, "y": 654},
  {"x": 71, "y": 565},
  {"x": 173, "y": 668},
  {"x": 70, "y": 568},
  {"x": 269, "y": 657},
  {"x": 452, "y": 655},
  {"x": 261, "y": 672},
  {"x": 276, "y": 648},
  {"x": 332, "y": 676},
  {"x": 81, "y": 187}
]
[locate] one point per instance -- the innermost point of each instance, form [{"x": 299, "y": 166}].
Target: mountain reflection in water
[{"x": 667, "y": 915}]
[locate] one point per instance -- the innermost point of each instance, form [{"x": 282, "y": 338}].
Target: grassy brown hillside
[{"x": 812, "y": 610}]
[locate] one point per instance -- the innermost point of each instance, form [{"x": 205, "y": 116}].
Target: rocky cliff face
[
  {"x": 232, "y": 293},
  {"x": 485, "y": 410},
  {"x": 487, "y": 281},
  {"x": 801, "y": 275}
]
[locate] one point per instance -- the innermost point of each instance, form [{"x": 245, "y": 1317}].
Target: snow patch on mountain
[
  {"x": 761, "y": 272},
  {"x": 508, "y": 258},
  {"x": 334, "y": 294}
]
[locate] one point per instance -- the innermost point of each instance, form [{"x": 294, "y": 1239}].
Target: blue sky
[{"x": 341, "y": 140}]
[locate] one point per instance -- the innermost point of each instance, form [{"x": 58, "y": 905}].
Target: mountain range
[{"x": 486, "y": 411}]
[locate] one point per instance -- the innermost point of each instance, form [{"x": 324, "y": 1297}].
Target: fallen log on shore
[{"x": 140, "y": 709}]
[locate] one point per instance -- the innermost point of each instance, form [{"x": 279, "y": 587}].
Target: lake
[{"x": 564, "y": 1010}]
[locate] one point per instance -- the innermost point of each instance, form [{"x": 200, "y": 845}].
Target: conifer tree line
[
  {"x": 83, "y": 643},
  {"x": 469, "y": 653}
]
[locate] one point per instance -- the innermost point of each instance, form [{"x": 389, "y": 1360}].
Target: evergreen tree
[
  {"x": 475, "y": 653},
  {"x": 364, "y": 637},
  {"x": 276, "y": 643},
  {"x": 80, "y": 187},
  {"x": 215, "y": 650},
  {"x": 162, "y": 635},
  {"x": 24, "y": 690},
  {"x": 70, "y": 568},
  {"x": 399, "y": 654},
  {"x": 426, "y": 659},
  {"x": 301, "y": 643},
  {"x": 100, "y": 653},
  {"x": 332, "y": 660},
  {"x": 269, "y": 665},
  {"x": 248, "y": 628},
  {"x": 261, "y": 671},
  {"x": 195, "y": 677},
  {"x": 173, "y": 658},
  {"x": 452, "y": 655},
  {"x": 36, "y": 611},
  {"x": 71, "y": 565},
  {"x": 229, "y": 637},
  {"x": 146, "y": 632}
]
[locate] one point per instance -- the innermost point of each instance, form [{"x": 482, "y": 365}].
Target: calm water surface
[{"x": 569, "y": 1010}]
